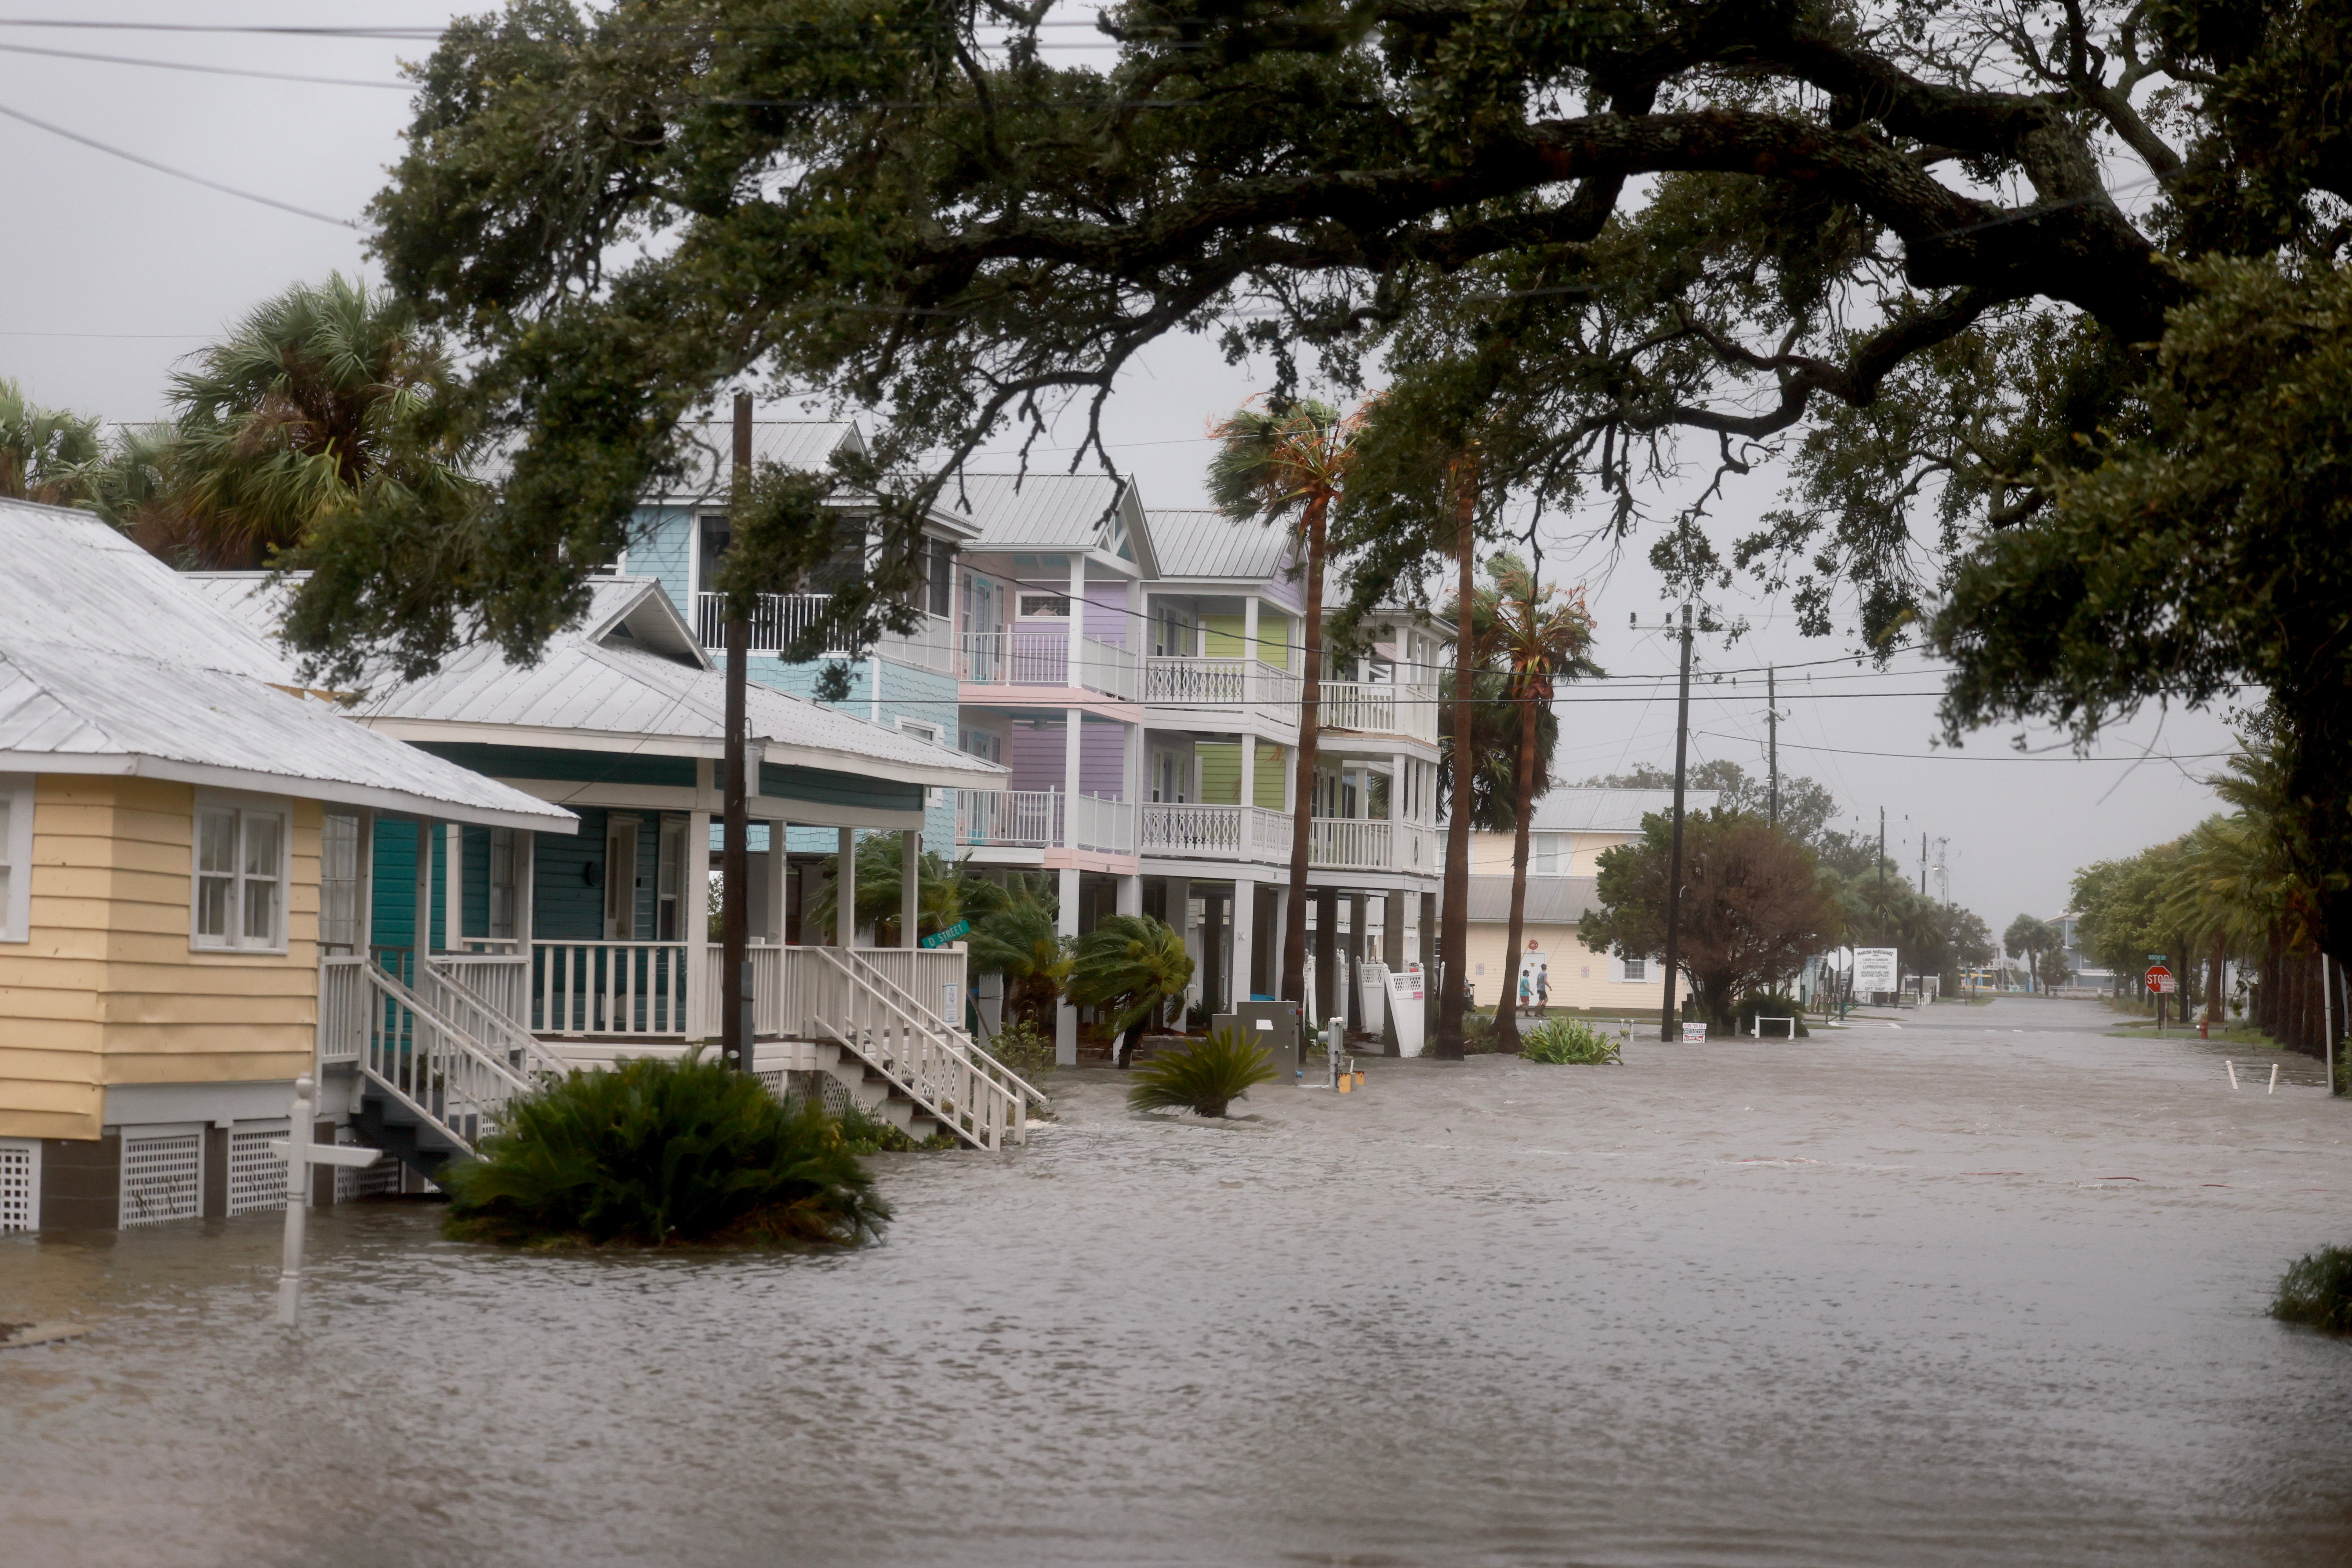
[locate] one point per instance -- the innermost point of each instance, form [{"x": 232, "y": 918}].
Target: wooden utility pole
[
  {"x": 1675, "y": 858},
  {"x": 1772, "y": 751},
  {"x": 735, "y": 861}
]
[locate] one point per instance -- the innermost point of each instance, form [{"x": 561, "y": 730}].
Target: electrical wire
[{"x": 176, "y": 174}]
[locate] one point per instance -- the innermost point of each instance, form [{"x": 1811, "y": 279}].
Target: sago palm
[
  {"x": 1291, "y": 466},
  {"x": 1129, "y": 965},
  {"x": 313, "y": 407},
  {"x": 1539, "y": 635}
]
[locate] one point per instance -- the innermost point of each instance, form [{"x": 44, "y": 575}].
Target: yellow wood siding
[
  {"x": 110, "y": 989},
  {"x": 1272, "y": 760}
]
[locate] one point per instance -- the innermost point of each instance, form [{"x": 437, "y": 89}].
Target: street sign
[
  {"x": 2160, "y": 980},
  {"x": 941, "y": 938}
]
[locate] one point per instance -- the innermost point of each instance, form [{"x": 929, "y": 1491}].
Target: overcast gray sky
[{"x": 112, "y": 271}]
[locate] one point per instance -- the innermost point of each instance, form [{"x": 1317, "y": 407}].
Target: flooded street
[{"x": 1986, "y": 1287}]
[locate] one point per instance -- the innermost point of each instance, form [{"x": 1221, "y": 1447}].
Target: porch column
[
  {"x": 1276, "y": 953},
  {"x": 526, "y": 873},
  {"x": 844, "y": 890},
  {"x": 1131, "y": 894},
  {"x": 366, "y": 936},
  {"x": 1239, "y": 982},
  {"x": 1077, "y": 616},
  {"x": 910, "y": 883},
  {"x": 1325, "y": 948},
  {"x": 453, "y": 888},
  {"x": 694, "y": 922},
  {"x": 1250, "y": 693},
  {"x": 1180, "y": 919},
  {"x": 778, "y": 863},
  {"x": 1065, "y": 922},
  {"x": 1249, "y": 783},
  {"x": 1073, "y": 776}
]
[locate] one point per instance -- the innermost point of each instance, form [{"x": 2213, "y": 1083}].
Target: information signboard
[{"x": 1876, "y": 972}]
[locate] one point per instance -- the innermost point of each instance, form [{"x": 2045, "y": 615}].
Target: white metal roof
[
  {"x": 805, "y": 444},
  {"x": 1611, "y": 810},
  {"x": 593, "y": 688},
  {"x": 1053, "y": 513},
  {"x": 1550, "y": 900},
  {"x": 1203, "y": 543},
  {"x": 111, "y": 663}
]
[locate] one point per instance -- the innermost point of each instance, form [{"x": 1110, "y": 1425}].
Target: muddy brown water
[{"x": 1987, "y": 1288}]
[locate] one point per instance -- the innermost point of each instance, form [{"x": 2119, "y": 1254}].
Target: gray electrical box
[{"x": 1274, "y": 1025}]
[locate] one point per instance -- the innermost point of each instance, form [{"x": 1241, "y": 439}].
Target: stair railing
[
  {"x": 917, "y": 1053},
  {"x": 1008, "y": 1083},
  {"x": 488, "y": 1024},
  {"x": 450, "y": 1081}
]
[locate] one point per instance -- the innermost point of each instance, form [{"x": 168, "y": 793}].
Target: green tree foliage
[
  {"x": 1807, "y": 808},
  {"x": 654, "y": 1153},
  {"x": 1755, "y": 905},
  {"x": 2031, "y": 938},
  {"x": 1131, "y": 966},
  {"x": 942, "y": 887},
  {"x": 1016, "y": 936},
  {"x": 46, "y": 453}
]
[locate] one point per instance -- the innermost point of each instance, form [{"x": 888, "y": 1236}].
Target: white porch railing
[
  {"x": 413, "y": 1053},
  {"x": 500, "y": 981},
  {"x": 1107, "y": 826},
  {"x": 782, "y": 1006},
  {"x": 1042, "y": 657},
  {"x": 1185, "y": 682},
  {"x": 1255, "y": 834},
  {"x": 1009, "y": 818},
  {"x": 859, "y": 1007},
  {"x": 779, "y": 620},
  {"x": 1380, "y": 708},
  {"x": 628, "y": 988}
]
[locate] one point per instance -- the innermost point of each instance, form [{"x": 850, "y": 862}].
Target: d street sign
[{"x": 941, "y": 938}]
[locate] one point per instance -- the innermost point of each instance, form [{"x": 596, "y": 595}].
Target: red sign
[{"x": 2160, "y": 979}]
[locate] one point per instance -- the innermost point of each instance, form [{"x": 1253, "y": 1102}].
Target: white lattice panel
[
  {"x": 162, "y": 1177},
  {"x": 256, "y": 1178},
  {"x": 20, "y": 1185}
]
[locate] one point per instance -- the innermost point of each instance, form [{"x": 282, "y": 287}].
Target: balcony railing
[
  {"x": 779, "y": 620},
  {"x": 1381, "y": 708},
  {"x": 1249, "y": 833},
  {"x": 1042, "y": 657},
  {"x": 1183, "y": 682},
  {"x": 1043, "y": 819}
]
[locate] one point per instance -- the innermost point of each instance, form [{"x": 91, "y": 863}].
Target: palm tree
[
  {"x": 1539, "y": 635},
  {"x": 312, "y": 406},
  {"x": 1453, "y": 902},
  {"x": 1019, "y": 940},
  {"x": 1132, "y": 965},
  {"x": 45, "y": 453},
  {"x": 1274, "y": 466}
]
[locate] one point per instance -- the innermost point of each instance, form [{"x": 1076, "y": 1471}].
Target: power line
[
  {"x": 175, "y": 173},
  {"x": 1980, "y": 757},
  {"x": 208, "y": 70}
]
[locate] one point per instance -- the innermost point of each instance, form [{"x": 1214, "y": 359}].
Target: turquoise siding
[
  {"x": 661, "y": 545},
  {"x": 392, "y": 906},
  {"x": 570, "y": 767},
  {"x": 566, "y": 906}
]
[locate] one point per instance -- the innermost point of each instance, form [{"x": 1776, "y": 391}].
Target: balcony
[
  {"x": 1381, "y": 708},
  {"x": 1045, "y": 658},
  {"x": 1043, "y": 819},
  {"x": 780, "y": 619},
  {"x": 1255, "y": 835},
  {"x": 1182, "y": 682}
]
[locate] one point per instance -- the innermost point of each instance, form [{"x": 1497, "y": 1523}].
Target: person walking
[{"x": 1543, "y": 986}]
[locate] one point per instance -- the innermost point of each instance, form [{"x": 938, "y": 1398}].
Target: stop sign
[{"x": 2160, "y": 979}]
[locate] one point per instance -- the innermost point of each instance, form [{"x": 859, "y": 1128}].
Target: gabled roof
[
  {"x": 1058, "y": 513},
  {"x": 1550, "y": 900},
  {"x": 627, "y": 678},
  {"x": 111, "y": 663},
  {"x": 1203, "y": 543},
  {"x": 1611, "y": 810}
]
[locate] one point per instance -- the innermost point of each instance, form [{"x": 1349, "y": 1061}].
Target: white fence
[
  {"x": 779, "y": 620},
  {"x": 1380, "y": 708},
  {"x": 1043, "y": 819},
  {"x": 1044, "y": 658},
  {"x": 608, "y": 988}
]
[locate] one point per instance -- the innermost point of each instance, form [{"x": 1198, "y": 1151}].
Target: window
[
  {"x": 920, "y": 730},
  {"x": 339, "y": 882},
  {"x": 621, "y": 880},
  {"x": 980, "y": 743},
  {"x": 939, "y": 576},
  {"x": 505, "y": 883},
  {"x": 1633, "y": 970},
  {"x": 1548, "y": 854},
  {"x": 240, "y": 880},
  {"x": 669, "y": 882},
  {"x": 16, "y": 858},
  {"x": 1044, "y": 607}
]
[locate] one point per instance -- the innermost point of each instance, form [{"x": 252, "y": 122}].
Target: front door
[{"x": 621, "y": 880}]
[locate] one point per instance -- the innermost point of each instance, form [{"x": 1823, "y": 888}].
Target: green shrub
[
  {"x": 1204, "y": 1078},
  {"x": 1770, "y": 1005},
  {"x": 1025, "y": 1050},
  {"x": 2317, "y": 1290},
  {"x": 863, "y": 1134},
  {"x": 656, "y": 1153},
  {"x": 1567, "y": 1041}
]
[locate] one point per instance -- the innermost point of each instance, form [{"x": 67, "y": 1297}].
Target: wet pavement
[{"x": 1984, "y": 1286}]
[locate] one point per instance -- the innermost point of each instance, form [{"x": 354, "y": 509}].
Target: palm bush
[
  {"x": 2317, "y": 1290},
  {"x": 1569, "y": 1041},
  {"x": 1769, "y": 1004},
  {"x": 656, "y": 1152},
  {"x": 1204, "y": 1078},
  {"x": 1131, "y": 966}
]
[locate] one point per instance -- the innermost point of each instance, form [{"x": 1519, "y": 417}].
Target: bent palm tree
[
  {"x": 46, "y": 453},
  {"x": 1019, "y": 941},
  {"x": 1272, "y": 466},
  {"x": 1539, "y": 635},
  {"x": 1130, "y": 965},
  {"x": 312, "y": 407}
]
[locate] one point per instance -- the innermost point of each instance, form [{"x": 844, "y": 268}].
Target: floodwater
[{"x": 1985, "y": 1287}]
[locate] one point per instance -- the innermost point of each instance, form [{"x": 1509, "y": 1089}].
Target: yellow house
[
  {"x": 1570, "y": 829},
  {"x": 177, "y": 819}
]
